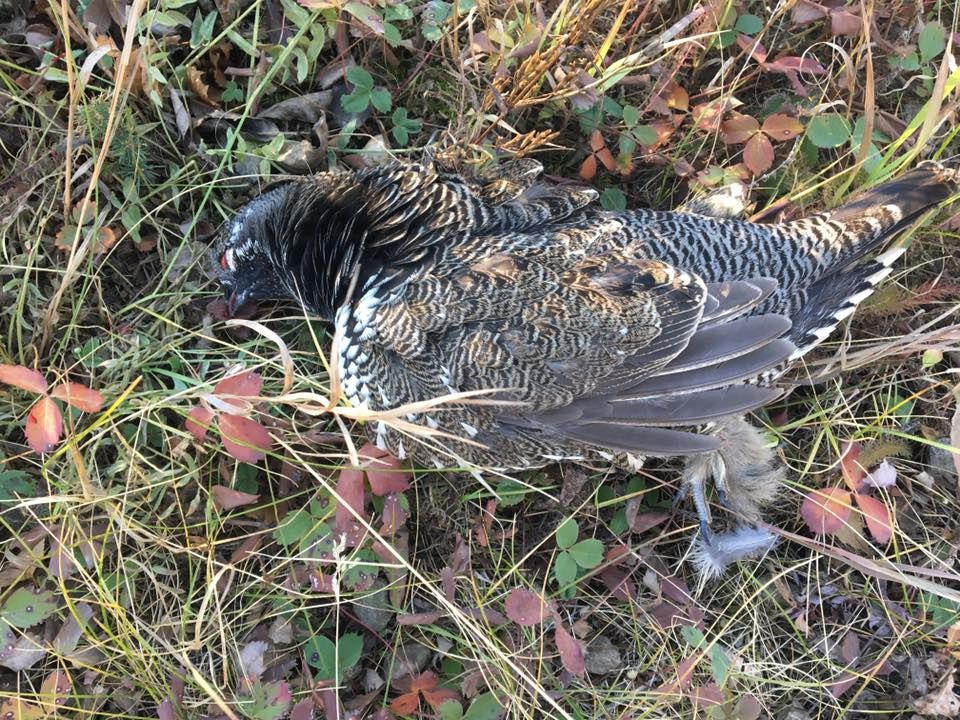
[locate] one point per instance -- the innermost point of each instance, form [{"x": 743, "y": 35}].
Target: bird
[{"x": 561, "y": 331}]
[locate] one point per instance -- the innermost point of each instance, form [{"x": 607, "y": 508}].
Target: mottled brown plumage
[{"x": 609, "y": 335}]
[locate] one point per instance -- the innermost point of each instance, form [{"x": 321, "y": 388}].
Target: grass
[{"x": 171, "y": 594}]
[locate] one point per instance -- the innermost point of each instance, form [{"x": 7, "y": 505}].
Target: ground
[{"x": 168, "y": 537}]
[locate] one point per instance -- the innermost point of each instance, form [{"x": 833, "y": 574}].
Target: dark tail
[{"x": 873, "y": 221}]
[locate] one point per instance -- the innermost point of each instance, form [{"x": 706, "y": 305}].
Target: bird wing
[{"x": 581, "y": 338}]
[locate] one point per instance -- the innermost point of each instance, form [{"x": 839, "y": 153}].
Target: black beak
[{"x": 236, "y": 299}]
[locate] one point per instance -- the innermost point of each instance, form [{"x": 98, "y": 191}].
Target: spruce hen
[{"x": 605, "y": 335}]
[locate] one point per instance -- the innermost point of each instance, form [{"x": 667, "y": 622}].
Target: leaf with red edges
[
  {"x": 44, "y": 425},
  {"x": 525, "y": 607},
  {"x": 753, "y": 48},
  {"x": 198, "y": 422},
  {"x": 245, "y": 439},
  {"x": 350, "y": 489},
  {"x": 79, "y": 396},
  {"x": 878, "y": 517},
  {"x": 826, "y": 511},
  {"x": 571, "y": 651},
  {"x": 758, "y": 154},
  {"x": 853, "y": 473},
  {"x": 23, "y": 378}
]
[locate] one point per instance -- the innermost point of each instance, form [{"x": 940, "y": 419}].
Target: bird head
[{"x": 244, "y": 258}]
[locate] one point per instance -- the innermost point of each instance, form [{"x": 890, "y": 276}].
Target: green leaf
[
  {"x": 631, "y": 115},
  {"x": 719, "y": 665},
  {"x": 400, "y": 134},
  {"x": 398, "y": 11},
  {"x": 293, "y": 527},
  {"x": 380, "y": 97},
  {"x": 359, "y": 78},
  {"x": 14, "y": 483},
  {"x": 645, "y": 135},
  {"x": 588, "y": 553},
  {"x": 748, "y": 25},
  {"x": 932, "y": 41},
  {"x": 350, "y": 650},
  {"x": 828, "y": 130},
  {"x": 693, "y": 636},
  {"x": 613, "y": 199},
  {"x": 565, "y": 569},
  {"x": 485, "y": 707},
  {"x": 27, "y": 607},
  {"x": 269, "y": 700},
  {"x": 451, "y": 710},
  {"x": 726, "y": 38},
  {"x": 232, "y": 92},
  {"x": 909, "y": 62},
  {"x": 567, "y": 533},
  {"x": 355, "y": 102},
  {"x": 391, "y": 34},
  {"x": 612, "y": 108},
  {"x": 201, "y": 31},
  {"x": 931, "y": 357}
]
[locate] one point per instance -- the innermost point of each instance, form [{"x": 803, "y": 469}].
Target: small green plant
[
  {"x": 364, "y": 93},
  {"x": 404, "y": 126},
  {"x": 574, "y": 555}
]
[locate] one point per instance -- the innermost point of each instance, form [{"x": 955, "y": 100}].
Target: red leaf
[
  {"x": 645, "y": 521},
  {"x": 707, "y": 695},
  {"x": 245, "y": 384},
  {"x": 44, "y": 425},
  {"x": 394, "y": 516},
  {"x": 707, "y": 116},
  {"x": 406, "y": 704},
  {"x": 525, "y": 607},
  {"x": 588, "y": 170},
  {"x": 782, "y": 127},
  {"x": 571, "y": 651},
  {"x": 198, "y": 422},
  {"x": 853, "y": 474},
  {"x": 805, "y": 12},
  {"x": 424, "y": 681},
  {"x": 877, "y": 515},
  {"x": 23, "y": 378},
  {"x": 438, "y": 696},
  {"x": 619, "y": 584},
  {"x": 758, "y": 154},
  {"x": 796, "y": 64},
  {"x": 850, "y": 647},
  {"x": 303, "y": 710},
  {"x": 245, "y": 439},
  {"x": 79, "y": 396},
  {"x": 385, "y": 473},
  {"x": 739, "y": 129},
  {"x": 843, "y": 22},
  {"x": 826, "y": 511},
  {"x": 54, "y": 691},
  {"x": 753, "y": 48},
  {"x": 350, "y": 490},
  {"x": 747, "y": 708},
  {"x": 682, "y": 677},
  {"x": 225, "y": 498},
  {"x": 843, "y": 682}
]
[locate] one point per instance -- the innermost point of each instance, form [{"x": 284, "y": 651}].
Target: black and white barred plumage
[{"x": 611, "y": 335}]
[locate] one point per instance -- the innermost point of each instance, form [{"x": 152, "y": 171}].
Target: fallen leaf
[
  {"x": 739, "y": 129},
  {"x": 782, "y": 127},
  {"x": 23, "y": 378},
  {"x": 942, "y": 701},
  {"x": 645, "y": 521},
  {"x": 805, "y": 12},
  {"x": 754, "y": 49},
  {"x": 525, "y": 607},
  {"x": 242, "y": 384},
  {"x": 405, "y": 704},
  {"x": 199, "y": 86},
  {"x": 79, "y": 396},
  {"x": 844, "y": 22},
  {"x": 758, "y": 154},
  {"x": 706, "y": 696},
  {"x": 386, "y": 474},
  {"x": 245, "y": 439},
  {"x": 350, "y": 490},
  {"x": 571, "y": 651},
  {"x": 198, "y": 422},
  {"x": 394, "y": 516},
  {"x": 841, "y": 684},
  {"x": 850, "y": 467},
  {"x": 791, "y": 63},
  {"x": 44, "y": 425},
  {"x": 826, "y": 511},
  {"x": 54, "y": 691},
  {"x": 225, "y": 498},
  {"x": 877, "y": 515}
]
